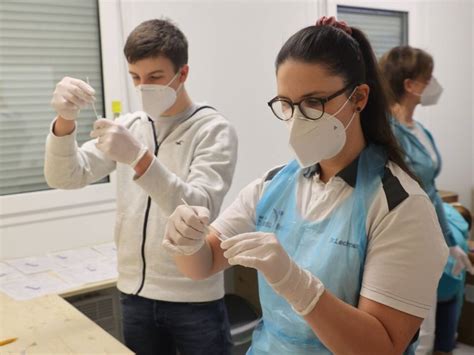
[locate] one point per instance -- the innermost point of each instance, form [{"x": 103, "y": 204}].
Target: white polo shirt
[{"x": 406, "y": 252}]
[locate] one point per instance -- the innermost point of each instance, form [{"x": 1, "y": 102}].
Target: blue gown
[{"x": 419, "y": 160}]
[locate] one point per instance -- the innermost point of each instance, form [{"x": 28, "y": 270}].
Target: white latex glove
[
  {"x": 70, "y": 96},
  {"x": 186, "y": 230},
  {"x": 263, "y": 252},
  {"x": 462, "y": 261},
  {"x": 117, "y": 143}
]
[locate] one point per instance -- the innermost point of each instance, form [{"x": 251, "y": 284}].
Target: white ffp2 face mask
[
  {"x": 316, "y": 140},
  {"x": 156, "y": 99},
  {"x": 432, "y": 93}
]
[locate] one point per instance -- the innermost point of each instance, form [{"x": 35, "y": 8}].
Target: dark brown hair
[
  {"x": 154, "y": 38},
  {"x": 350, "y": 57},
  {"x": 402, "y": 63}
]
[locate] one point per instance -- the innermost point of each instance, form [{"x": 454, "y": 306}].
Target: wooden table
[
  {"x": 448, "y": 196},
  {"x": 90, "y": 287},
  {"x": 50, "y": 325}
]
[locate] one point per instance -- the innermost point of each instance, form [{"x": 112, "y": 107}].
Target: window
[
  {"x": 385, "y": 29},
  {"x": 41, "y": 41}
]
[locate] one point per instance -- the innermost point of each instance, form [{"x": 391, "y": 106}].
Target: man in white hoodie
[{"x": 173, "y": 150}]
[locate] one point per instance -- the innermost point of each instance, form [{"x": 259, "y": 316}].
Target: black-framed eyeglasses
[{"x": 312, "y": 108}]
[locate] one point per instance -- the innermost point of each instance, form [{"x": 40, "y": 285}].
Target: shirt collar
[{"x": 348, "y": 174}]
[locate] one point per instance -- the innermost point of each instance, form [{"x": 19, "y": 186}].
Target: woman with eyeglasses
[
  {"x": 408, "y": 72},
  {"x": 345, "y": 242}
]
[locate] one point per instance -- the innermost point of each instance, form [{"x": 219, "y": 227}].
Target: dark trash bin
[{"x": 243, "y": 318}]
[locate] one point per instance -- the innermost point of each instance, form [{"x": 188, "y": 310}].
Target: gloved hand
[
  {"x": 70, "y": 96},
  {"x": 186, "y": 230},
  {"x": 462, "y": 261},
  {"x": 263, "y": 252},
  {"x": 117, "y": 143}
]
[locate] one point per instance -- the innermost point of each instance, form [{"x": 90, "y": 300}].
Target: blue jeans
[
  {"x": 446, "y": 325},
  {"x": 159, "y": 327}
]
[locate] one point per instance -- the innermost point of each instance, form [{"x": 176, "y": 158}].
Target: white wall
[{"x": 446, "y": 32}]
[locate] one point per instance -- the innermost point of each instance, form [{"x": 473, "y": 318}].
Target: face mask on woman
[
  {"x": 431, "y": 93},
  {"x": 316, "y": 140}
]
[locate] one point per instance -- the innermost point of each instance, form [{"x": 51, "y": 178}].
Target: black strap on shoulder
[
  {"x": 271, "y": 174},
  {"x": 394, "y": 191}
]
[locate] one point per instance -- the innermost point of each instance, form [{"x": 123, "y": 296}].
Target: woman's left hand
[
  {"x": 462, "y": 261},
  {"x": 260, "y": 251},
  {"x": 263, "y": 252}
]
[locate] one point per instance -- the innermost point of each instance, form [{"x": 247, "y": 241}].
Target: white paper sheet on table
[
  {"x": 89, "y": 271},
  {"x": 108, "y": 249},
  {"x": 34, "y": 285},
  {"x": 69, "y": 258},
  {"x": 31, "y": 265},
  {"x": 9, "y": 273}
]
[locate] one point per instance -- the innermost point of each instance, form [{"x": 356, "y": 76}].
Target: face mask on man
[
  {"x": 431, "y": 93},
  {"x": 316, "y": 140},
  {"x": 156, "y": 99}
]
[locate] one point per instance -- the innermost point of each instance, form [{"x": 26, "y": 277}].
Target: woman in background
[{"x": 409, "y": 76}]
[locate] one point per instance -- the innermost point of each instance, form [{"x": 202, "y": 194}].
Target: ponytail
[{"x": 375, "y": 119}]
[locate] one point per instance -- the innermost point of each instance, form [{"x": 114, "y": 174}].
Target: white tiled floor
[{"x": 463, "y": 349}]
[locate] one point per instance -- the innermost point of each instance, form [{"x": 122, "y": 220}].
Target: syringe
[
  {"x": 219, "y": 236},
  {"x": 93, "y": 105}
]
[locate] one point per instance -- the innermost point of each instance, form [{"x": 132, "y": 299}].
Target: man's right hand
[
  {"x": 70, "y": 96},
  {"x": 186, "y": 230}
]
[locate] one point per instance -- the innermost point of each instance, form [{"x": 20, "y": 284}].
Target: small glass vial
[{"x": 116, "y": 108}]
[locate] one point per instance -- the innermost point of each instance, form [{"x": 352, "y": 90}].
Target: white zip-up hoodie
[{"x": 196, "y": 162}]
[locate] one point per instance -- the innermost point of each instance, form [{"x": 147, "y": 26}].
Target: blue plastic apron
[
  {"x": 333, "y": 249},
  {"x": 419, "y": 160}
]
